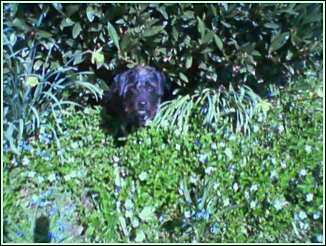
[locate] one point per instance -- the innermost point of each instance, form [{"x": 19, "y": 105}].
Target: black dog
[{"x": 135, "y": 95}]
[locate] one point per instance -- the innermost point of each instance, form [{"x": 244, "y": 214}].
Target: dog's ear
[
  {"x": 165, "y": 86},
  {"x": 120, "y": 82},
  {"x": 161, "y": 82}
]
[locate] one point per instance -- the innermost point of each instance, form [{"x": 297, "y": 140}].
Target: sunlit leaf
[
  {"x": 201, "y": 27},
  {"x": 278, "y": 41},
  {"x": 188, "y": 62},
  {"x": 113, "y": 34},
  {"x": 32, "y": 80},
  {"x": 183, "y": 77},
  {"x": 218, "y": 42},
  {"x": 147, "y": 213},
  {"x": 90, "y": 13},
  {"x": 140, "y": 236},
  {"x": 152, "y": 31},
  {"x": 76, "y": 30}
]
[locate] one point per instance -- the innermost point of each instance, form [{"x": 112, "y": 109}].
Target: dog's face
[{"x": 141, "y": 90}]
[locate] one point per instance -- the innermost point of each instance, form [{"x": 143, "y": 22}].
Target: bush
[
  {"x": 236, "y": 106},
  {"x": 214, "y": 43},
  {"x": 36, "y": 86}
]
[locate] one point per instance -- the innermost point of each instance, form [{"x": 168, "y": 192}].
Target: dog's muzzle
[{"x": 142, "y": 110}]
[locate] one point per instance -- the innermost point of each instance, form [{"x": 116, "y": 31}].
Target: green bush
[
  {"x": 216, "y": 43},
  {"x": 36, "y": 85},
  {"x": 238, "y": 107},
  {"x": 161, "y": 186}
]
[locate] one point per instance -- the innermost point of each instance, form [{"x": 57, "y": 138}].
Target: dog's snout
[{"x": 142, "y": 103}]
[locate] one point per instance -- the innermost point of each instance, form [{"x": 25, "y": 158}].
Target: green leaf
[
  {"x": 147, "y": 213},
  {"x": 21, "y": 129},
  {"x": 65, "y": 23},
  {"x": 264, "y": 106},
  {"x": 185, "y": 191},
  {"x": 127, "y": 42},
  {"x": 188, "y": 14},
  {"x": 123, "y": 225},
  {"x": 135, "y": 222},
  {"x": 312, "y": 17},
  {"x": 98, "y": 58},
  {"x": 37, "y": 65},
  {"x": 36, "y": 116},
  {"x": 218, "y": 42},
  {"x": 143, "y": 176},
  {"x": 43, "y": 34},
  {"x": 90, "y": 13},
  {"x": 206, "y": 50},
  {"x": 114, "y": 35},
  {"x": 183, "y": 77},
  {"x": 319, "y": 92},
  {"x": 207, "y": 37},
  {"x": 227, "y": 25},
  {"x": 140, "y": 236},
  {"x": 32, "y": 80},
  {"x": 9, "y": 136},
  {"x": 78, "y": 58},
  {"x": 58, "y": 7},
  {"x": 12, "y": 39},
  {"x": 153, "y": 31},
  {"x": 188, "y": 62},
  {"x": 162, "y": 10},
  {"x": 228, "y": 153},
  {"x": 71, "y": 9},
  {"x": 201, "y": 27},
  {"x": 129, "y": 205},
  {"x": 278, "y": 41},
  {"x": 256, "y": 53},
  {"x": 76, "y": 30},
  {"x": 14, "y": 8},
  {"x": 20, "y": 24},
  {"x": 271, "y": 25}
]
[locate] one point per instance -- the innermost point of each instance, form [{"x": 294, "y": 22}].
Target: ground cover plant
[{"x": 202, "y": 186}]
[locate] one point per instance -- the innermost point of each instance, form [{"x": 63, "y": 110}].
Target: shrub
[
  {"x": 193, "y": 43},
  {"x": 215, "y": 106},
  {"x": 36, "y": 86}
]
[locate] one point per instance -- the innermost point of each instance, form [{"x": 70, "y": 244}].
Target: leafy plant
[
  {"x": 160, "y": 186},
  {"x": 198, "y": 46},
  {"x": 35, "y": 87},
  {"x": 47, "y": 217},
  {"x": 209, "y": 184},
  {"x": 238, "y": 106},
  {"x": 193, "y": 43}
]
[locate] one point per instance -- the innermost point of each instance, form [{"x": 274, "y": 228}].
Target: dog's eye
[
  {"x": 131, "y": 92},
  {"x": 150, "y": 88}
]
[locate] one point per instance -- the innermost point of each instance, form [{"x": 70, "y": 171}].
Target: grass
[{"x": 161, "y": 186}]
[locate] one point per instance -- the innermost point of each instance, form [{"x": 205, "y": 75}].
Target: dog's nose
[{"x": 142, "y": 103}]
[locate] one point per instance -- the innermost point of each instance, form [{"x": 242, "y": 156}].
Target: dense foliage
[
  {"x": 52, "y": 50},
  {"x": 215, "y": 43},
  {"x": 193, "y": 179},
  {"x": 202, "y": 186}
]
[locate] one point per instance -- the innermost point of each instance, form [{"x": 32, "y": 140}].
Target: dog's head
[{"x": 141, "y": 90}]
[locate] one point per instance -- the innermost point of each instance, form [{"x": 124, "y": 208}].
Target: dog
[{"x": 135, "y": 95}]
